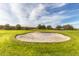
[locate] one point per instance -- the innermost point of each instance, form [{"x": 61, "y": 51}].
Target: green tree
[
  {"x": 68, "y": 27},
  {"x": 1, "y": 26},
  {"x": 41, "y": 26},
  {"x": 58, "y": 27},
  {"x": 7, "y": 27},
  {"x": 18, "y": 27},
  {"x": 49, "y": 27}
]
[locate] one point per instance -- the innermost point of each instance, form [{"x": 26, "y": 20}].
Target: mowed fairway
[{"x": 9, "y": 46}]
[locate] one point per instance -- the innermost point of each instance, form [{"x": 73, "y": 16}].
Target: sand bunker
[{"x": 43, "y": 37}]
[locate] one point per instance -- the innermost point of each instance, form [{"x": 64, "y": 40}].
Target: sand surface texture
[{"x": 42, "y": 37}]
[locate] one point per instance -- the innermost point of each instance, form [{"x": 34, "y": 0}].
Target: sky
[{"x": 32, "y": 14}]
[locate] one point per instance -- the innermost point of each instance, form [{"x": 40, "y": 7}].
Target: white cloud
[
  {"x": 36, "y": 12},
  {"x": 19, "y": 13},
  {"x": 60, "y": 4},
  {"x": 39, "y": 10},
  {"x": 25, "y": 12},
  {"x": 15, "y": 8},
  {"x": 31, "y": 15},
  {"x": 4, "y": 16},
  {"x": 52, "y": 20},
  {"x": 57, "y": 5}
]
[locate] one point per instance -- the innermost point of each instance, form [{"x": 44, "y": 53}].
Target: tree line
[
  {"x": 58, "y": 27},
  {"x": 16, "y": 27},
  {"x": 19, "y": 27}
]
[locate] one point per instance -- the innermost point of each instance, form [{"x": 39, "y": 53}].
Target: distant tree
[
  {"x": 18, "y": 27},
  {"x": 41, "y": 26},
  {"x": 1, "y": 26},
  {"x": 58, "y": 27},
  {"x": 68, "y": 27},
  {"x": 26, "y": 28},
  {"x": 7, "y": 27},
  {"x": 12, "y": 28},
  {"x": 49, "y": 27}
]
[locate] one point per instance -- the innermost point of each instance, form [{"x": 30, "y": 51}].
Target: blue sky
[{"x": 32, "y": 14}]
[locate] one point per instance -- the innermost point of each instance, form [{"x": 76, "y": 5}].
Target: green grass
[{"x": 9, "y": 46}]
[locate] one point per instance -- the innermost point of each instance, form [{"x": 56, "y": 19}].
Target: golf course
[
  {"x": 10, "y": 46},
  {"x": 39, "y": 29}
]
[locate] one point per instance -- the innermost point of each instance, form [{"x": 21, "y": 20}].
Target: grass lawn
[{"x": 9, "y": 46}]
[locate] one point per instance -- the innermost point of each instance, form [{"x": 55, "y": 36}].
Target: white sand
[{"x": 43, "y": 37}]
